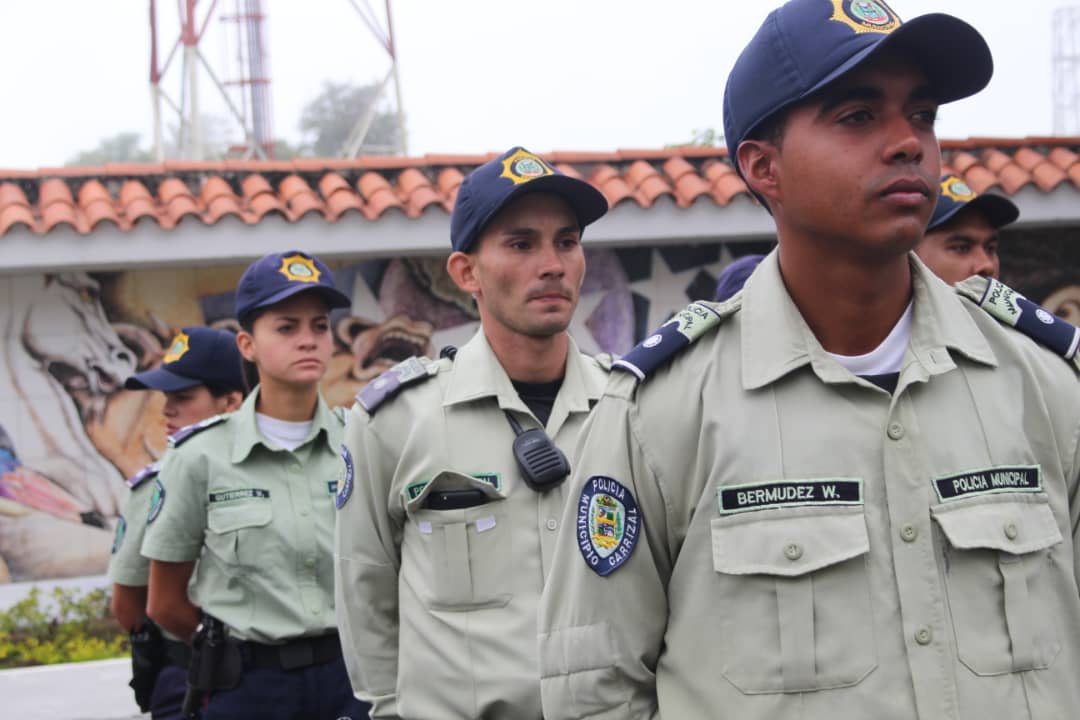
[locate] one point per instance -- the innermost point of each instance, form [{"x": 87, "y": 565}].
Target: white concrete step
[{"x": 71, "y": 691}]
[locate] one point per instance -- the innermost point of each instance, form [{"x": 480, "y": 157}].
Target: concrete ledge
[{"x": 72, "y": 691}]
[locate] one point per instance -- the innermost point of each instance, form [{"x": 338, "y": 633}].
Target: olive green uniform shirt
[
  {"x": 437, "y": 608},
  {"x": 127, "y": 566},
  {"x": 813, "y": 547},
  {"x": 260, "y": 521}
]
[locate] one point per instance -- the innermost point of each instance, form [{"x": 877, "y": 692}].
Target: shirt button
[
  {"x": 793, "y": 551},
  {"x": 316, "y": 610},
  {"x": 1011, "y": 532},
  {"x": 310, "y": 562},
  {"x": 923, "y": 636},
  {"x": 896, "y": 430},
  {"x": 552, "y": 523},
  {"x": 303, "y": 512},
  {"x": 295, "y": 468},
  {"x": 909, "y": 532}
]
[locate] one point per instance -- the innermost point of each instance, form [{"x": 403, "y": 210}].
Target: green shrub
[{"x": 71, "y": 627}]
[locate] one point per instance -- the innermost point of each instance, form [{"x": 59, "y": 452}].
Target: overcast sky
[{"x": 477, "y": 75}]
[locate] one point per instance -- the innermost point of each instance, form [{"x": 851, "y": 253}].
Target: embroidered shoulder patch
[
  {"x": 143, "y": 475},
  {"x": 157, "y": 501},
  {"x": 390, "y": 383},
  {"x": 1024, "y": 478},
  {"x": 608, "y": 524},
  {"x": 344, "y": 488},
  {"x": 680, "y": 331},
  {"x": 186, "y": 433},
  {"x": 1015, "y": 310},
  {"x": 121, "y": 530}
]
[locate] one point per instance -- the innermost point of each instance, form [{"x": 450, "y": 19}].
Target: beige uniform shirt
[
  {"x": 813, "y": 547},
  {"x": 259, "y": 519},
  {"x": 437, "y": 608}
]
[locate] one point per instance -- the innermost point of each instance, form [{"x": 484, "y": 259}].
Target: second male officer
[
  {"x": 449, "y": 508},
  {"x": 962, "y": 237}
]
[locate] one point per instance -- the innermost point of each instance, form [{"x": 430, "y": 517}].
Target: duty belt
[{"x": 292, "y": 654}]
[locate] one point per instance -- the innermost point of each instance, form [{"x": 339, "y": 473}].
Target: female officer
[
  {"x": 251, "y": 495},
  {"x": 200, "y": 376}
]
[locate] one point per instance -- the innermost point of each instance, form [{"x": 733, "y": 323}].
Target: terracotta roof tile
[
  {"x": 299, "y": 196},
  {"x": 136, "y": 202},
  {"x": 123, "y": 194},
  {"x": 14, "y": 208}
]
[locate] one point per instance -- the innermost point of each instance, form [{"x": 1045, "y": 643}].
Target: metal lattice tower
[
  {"x": 251, "y": 110},
  {"x": 1066, "y": 70}
]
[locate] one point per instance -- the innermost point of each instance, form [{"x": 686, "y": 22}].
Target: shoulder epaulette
[
  {"x": 186, "y": 433},
  {"x": 390, "y": 383},
  {"x": 1013, "y": 309},
  {"x": 143, "y": 475},
  {"x": 676, "y": 334}
]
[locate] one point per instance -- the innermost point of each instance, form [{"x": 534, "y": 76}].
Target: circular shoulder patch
[
  {"x": 608, "y": 524},
  {"x": 345, "y": 487},
  {"x": 121, "y": 530},
  {"x": 157, "y": 501}
]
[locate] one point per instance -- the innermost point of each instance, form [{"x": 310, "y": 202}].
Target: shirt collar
[
  {"x": 246, "y": 435},
  {"x": 477, "y": 373},
  {"x": 776, "y": 339}
]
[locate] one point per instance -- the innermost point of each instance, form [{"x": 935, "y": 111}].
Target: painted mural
[{"x": 69, "y": 433}]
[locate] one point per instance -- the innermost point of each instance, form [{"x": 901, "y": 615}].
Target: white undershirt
[
  {"x": 887, "y": 357},
  {"x": 282, "y": 433}
]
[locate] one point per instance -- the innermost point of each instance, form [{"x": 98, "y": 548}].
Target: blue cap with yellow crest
[
  {"x": 278, "y": 276},
  {"x": 517, "y": 171},
  {"x": 957, "y": 195},
  {"x": 805, "y": 45},
  {"x": 196, "y": 356}
]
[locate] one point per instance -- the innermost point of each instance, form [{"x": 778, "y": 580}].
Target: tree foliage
[
  {"x": 67, "y": 627},
  {"x": 327, "y": 120},
  {"x": 121, "y": 147},
  {"x": 707, "y": 137}
]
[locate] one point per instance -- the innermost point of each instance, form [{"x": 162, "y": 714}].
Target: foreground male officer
[
  {"x": 962, "y": 237},
  {"x": 848, "y": 492},
  {"x": 444, "y": 540},
  {"x": 200, "y": 376}
]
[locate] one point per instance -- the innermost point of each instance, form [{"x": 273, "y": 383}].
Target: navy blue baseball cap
[
  {"x": 734, "y": 276},
  {"x": 278, "y": 276},
  {"x": 956, "y": 195},
  {"x": 805, "y": 45},
  {"x": 196, "y": 356},
  {"x": 517, "y": 171}
]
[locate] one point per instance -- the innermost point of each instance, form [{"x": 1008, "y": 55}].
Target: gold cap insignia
[
  {"x": 523, "y": 166},
  {"x": 956, "y": 189},
  {"x": 179, "y": 346},
  {"x": 300, "y": 269},
  {"x": 865, "y": 16}
]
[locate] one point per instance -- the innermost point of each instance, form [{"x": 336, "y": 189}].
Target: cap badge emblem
[
  {"x": 523, "y": 166},
  {"x": 865, "y": 16},
  {"x": 956, "y": 189},
  {"x": 180, "y": 345},
  {"x": 300, "y": 269}
]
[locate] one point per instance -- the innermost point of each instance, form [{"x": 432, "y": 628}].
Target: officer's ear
[
  {"x": 462, "y": 270},
  {"x": 758, "y": 164},
  {"x": 245, "y": 343}
]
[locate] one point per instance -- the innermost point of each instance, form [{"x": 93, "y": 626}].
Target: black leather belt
[
  {"x": 177, "y": 653},
  {"x": 292, "y": 654}
]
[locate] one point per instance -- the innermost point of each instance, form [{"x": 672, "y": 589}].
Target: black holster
[
  {"x": 147, "y": 659},
  {"x": 215, "y": 665}
]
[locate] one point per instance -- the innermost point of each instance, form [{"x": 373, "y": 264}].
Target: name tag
[
  {"x": 1022, "y": 478},
  {"x": 227, "y": 495},
  {"x": 789, "y": 493}
]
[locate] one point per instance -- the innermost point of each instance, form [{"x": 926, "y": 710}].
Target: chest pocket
[
  {"x": 458, "y": 560},
  {"x": 233, "y": 530},
  {"x": 999, "y": 579},
  {"x": 795, "y": 598}
]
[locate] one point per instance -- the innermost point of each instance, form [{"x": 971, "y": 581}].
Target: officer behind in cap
[
  {"x": 201, "y": 377},
  {"x": 251, "y": 496},
  {"x": 443, "y": 540},
  {"x": 849, "y": 492},
  {"x": 962, "y": 238},
  {"x": 734, "y": 276}
]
